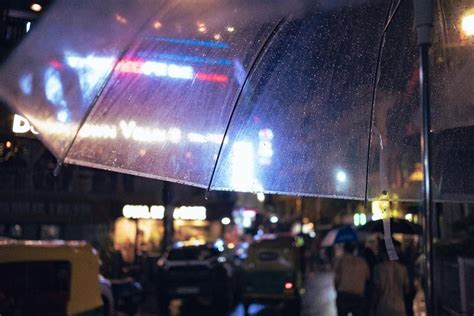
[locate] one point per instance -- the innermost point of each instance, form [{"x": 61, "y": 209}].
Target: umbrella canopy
[
  {"x": 341, "y": 235},
  {"x": 397, "y": 226},
  {"x": 261, "y": 96}
]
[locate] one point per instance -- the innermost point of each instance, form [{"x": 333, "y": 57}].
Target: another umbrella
[
  {"x": 341, "y": 235},
  {"x": 397, "y": 226}
]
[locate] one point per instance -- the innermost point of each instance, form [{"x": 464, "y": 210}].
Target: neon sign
[
  {"x": 147, "y": 68},
  {"x": 129, "y": 130}
]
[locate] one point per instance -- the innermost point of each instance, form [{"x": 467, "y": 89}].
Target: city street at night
[{"x": 236, "y": 158}]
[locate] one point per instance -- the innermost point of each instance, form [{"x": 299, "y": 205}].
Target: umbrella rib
[
  {"x": 122, "y": 54},
  {"x": 388, "y": 21},
  {"x": 260, "y": 53}
]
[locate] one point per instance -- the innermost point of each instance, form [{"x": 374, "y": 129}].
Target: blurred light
[
  {"x": 379, "y": 208},
  {"x": 8, "y": 144},
  {"x": 409, "y": 217},
  {"x": 219, "y": 243},
  {"x": 306, "y": 228},
  {"x": 356, "y": 220},
  {"x": 26, "y": 84},
  {"x": 261, "y": 197},
  {"x": 28, "y": 26},
  {"x": 243, "y": 169},
  {"x": 63, "y": 116},
  {"x": 120, "y": 19},
  {"x": 231, "y": 246},
  {"x": 190, "y": 213},
  {"x": 230, "y": 29},
  {"x": 53, "y": 88},
  {"x": 174, "y": 135},
  {"x": 36, "y": 7},
  {"x": 363, "y": 219},
  {"x": 341, "y": 176},
  {"x": 288, "y": 285},
  {"x": 417, "y": 174},
  {"x": 225, "y": 221},
  {"x": 202, "y": 29},
  {"x": 212, "y": 77},
  {"x": 467, "y": 24},
  {"x": 221, "y": 259},
  {"x": 156, "y": 25},
  {"x": 217, "y": 36},
  {"x": 180, "y": 72},
  {"x": 274, "y": 219},
  {"x": 312, "y": 234}
]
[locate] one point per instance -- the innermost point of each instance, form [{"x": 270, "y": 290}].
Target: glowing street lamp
[{"x": 36, "y": 7}]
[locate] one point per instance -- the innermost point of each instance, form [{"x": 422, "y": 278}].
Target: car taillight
[{"x": 288, "y": 285}]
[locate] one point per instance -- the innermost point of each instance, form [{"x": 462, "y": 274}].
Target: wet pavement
[{"x": 319, "y": 299}]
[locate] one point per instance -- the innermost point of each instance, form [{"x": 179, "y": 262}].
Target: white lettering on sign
[
  {"x": 126, "y": 129},
  {"x": 158, "y": 212},
  {"x": 21, "y": 125}
]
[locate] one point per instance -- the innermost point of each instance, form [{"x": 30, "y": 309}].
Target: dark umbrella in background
[{"x": 397, "y": 226}]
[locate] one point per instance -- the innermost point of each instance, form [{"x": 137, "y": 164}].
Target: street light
[
  {"x": 225, "y": 221},
  {"x": 36, "y": 7},
  {"x": 341, "y": 176}
]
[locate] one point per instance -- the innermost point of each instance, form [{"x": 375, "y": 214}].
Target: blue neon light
[
  {"x": 190, "y": 42},
  {"x": 186, "y": 58}
]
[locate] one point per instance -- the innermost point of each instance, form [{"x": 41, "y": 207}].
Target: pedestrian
[
  {"x": 369, "y": 254},
  {"x": 390, "y": 286},
  {"x": 351, "y": 276}
]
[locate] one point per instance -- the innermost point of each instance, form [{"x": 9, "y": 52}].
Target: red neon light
[
  {"x": 129, "y": 66},
  {"x": 288, "y": 285},
  {"x": 212, "y": 77},
  {"x": 56, "y": 64}
]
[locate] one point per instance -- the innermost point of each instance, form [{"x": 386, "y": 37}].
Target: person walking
[
  {"x": 351, "y": 276},
  {"x": 391, "y": 284}
]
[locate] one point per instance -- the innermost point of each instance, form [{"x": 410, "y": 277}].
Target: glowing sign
[
  {"x": 143, "y": 211},
  {"x": 190, "y": 213},
  {"x": 148, "y": 68},
  {"x": 21, "y": 125},
  {"x": 158, "y": 212},
  {"x": 125, "y": 129}
]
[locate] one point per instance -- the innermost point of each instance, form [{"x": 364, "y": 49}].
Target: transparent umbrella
[{"x": 260, "y": 96}]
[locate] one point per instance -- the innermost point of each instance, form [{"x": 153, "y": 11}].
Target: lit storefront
[{"x": 142, "y": 225}]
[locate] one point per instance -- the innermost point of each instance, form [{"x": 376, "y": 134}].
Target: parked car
[
  {"x": 205, "y": 272},
  {"x": 272, "y": 273},
  {"x": 59, "y": 278}
]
